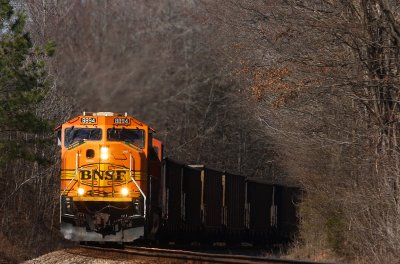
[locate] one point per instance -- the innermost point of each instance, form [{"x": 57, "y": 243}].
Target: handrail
[
  {"x": 75, "y": 174},
  {"x": 137, "y": 185}
]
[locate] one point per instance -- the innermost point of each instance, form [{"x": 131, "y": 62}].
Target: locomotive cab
[{"x": 106, "y": 162}]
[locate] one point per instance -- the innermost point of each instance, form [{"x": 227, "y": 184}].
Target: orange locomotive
[{"x": 109, "y": 162}]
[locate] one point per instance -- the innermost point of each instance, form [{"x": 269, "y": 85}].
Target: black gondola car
[
  {"x": 201, "y": 204},
  {"x": 191, "y": 203},
  {"x": 287, "y": 219},
  {"x": 261, "y": 211},
  {"x": 212, "y": 204},
  {"x": 173, "y": 198},
  {"x": 234, "y": 206}
]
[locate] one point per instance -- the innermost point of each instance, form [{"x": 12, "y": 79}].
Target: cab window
[
  {"x": 132, "y": 136},
  {"x": 73, "y": 135}
]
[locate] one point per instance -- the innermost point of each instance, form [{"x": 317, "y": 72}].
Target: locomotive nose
[{"x": 104, "y": 170}]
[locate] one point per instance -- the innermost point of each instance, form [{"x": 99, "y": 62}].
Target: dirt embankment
[{"x": 79, "y": 255}]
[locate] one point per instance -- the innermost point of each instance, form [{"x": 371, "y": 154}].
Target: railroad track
[{"x": 194, "y": 256}]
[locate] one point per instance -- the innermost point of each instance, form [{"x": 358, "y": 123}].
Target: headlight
[
  {"x": 104, "y": 153},
  {"x": 81, "y": 191},
  {"x": 124, "y": 191}
]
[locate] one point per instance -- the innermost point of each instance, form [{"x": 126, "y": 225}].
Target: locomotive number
[
  {"x": 88, "y": 120},
  {"x": 121, "y": 121}
]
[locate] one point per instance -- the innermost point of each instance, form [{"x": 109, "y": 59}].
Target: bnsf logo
[
  {"x": 103, "y": 175},
  {"x": 94, "y": 175}
]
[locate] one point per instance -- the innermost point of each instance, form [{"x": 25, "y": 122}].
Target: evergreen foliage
[{"x": 23, "y": 85}]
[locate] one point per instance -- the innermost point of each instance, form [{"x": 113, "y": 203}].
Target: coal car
[{"x": 202, "y": 204}]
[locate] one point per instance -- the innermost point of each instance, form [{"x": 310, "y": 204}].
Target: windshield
[
  {"x": 73, "y": 135},
  {"x": 134, "y": 136}
]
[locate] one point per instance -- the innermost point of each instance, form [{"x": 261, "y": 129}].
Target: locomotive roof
[{"x": 106, "y": 114}]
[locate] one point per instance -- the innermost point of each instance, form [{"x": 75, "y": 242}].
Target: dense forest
[{"x": 300, "y": 92}]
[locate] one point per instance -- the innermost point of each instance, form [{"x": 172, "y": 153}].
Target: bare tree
[
  {"x": 158, "y": 60},
  {"x": 325, "y": 78}
]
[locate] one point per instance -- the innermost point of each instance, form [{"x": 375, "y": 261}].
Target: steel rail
[{"x": 186, "y": 255}]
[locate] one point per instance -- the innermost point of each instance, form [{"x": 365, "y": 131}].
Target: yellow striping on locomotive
[{"x": 101, "y": 199}]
